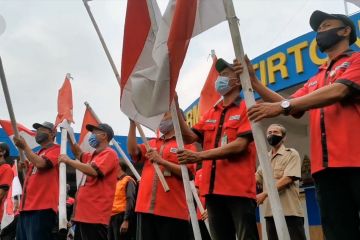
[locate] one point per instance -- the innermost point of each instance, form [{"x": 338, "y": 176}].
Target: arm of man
[
  {"x": 130, "y": 199},
  {"x": 87, "y": 169},
  {"x": 133, "y": 148}
]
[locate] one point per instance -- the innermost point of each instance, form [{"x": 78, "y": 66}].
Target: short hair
[
  {"x": 5, "y": 147},
  {"x": 123, "y": 165},
  {"x": 282, "y": 128}
]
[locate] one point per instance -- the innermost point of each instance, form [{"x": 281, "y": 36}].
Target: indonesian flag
[
  {"x": 152, "y": 58},
  {"x": 26, "y": 133},
  {"x": 85, "y": 134},
  {"x": 65, "y": 103},
  {"x": 15, "y": 190},
  {"x": 209, "y": 96},
  {"x": 355, "y": 2}
]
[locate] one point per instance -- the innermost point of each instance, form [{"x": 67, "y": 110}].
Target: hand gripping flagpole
[
  {"x": 258, "y": 134},
  {"x": 117, "y": 146},
  {"x": 113, "y": 66},
  {"x": 185, "y": 174},
  {"x": 11, "y": 111}
]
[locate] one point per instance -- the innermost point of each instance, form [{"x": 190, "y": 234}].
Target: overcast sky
[{"x": 45, "y": 39}]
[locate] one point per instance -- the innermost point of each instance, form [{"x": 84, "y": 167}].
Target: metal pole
[
  {"x": 123, "y": 155},
  {"x": 258, "y": 134},
  {"x": 62, "y": 183}
]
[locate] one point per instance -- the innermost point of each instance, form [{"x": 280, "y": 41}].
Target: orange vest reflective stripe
[{"x": 119, "y": 204}]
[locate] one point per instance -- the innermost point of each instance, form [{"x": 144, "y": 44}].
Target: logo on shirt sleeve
[{"x": 173, "y": 150}]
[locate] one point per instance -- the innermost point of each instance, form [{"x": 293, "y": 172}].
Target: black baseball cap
[
  {"x": 102, "y": 127},
  {"x": 318, "y": 17},
  {"x": 221, "y": 64},
  {"x": 47, "y": 125}
]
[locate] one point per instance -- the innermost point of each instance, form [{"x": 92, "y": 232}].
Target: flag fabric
[
  {"x": 26, "y": 133},
  {"x": 148, "y": 82},
  {"x": 355, "y": 2},
  {"x": 65, "y": 103},
  {"x": 9, "y": 206},
  {"x": 209, "y": 96},
  {"x": 85, "y": 134}
]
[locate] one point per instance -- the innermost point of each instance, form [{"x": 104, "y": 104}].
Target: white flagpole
[
  {"x": 185, "y": 175},
  {"x": 62, "y": 182},
  {"x": 113, "y": 66},
  {"x": 199, "y": 204},
  {"x": 278, "y": 213},
  {"x": 346, "y": 8},
  {"x": 117, "y": 146}
]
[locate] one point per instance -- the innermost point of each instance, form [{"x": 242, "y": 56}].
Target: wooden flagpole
[{"x": 278, "y": 213}]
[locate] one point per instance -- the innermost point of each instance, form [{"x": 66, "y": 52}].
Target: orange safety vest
[{"x": 119, "y": 204}]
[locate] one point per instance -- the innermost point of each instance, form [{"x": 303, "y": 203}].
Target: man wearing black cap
[
  {"x": 228, "y": 158},
  {"x": 40, "y": 199},
  {"x": 332, "y": 99},
  {"x": 96, "y": 192}
]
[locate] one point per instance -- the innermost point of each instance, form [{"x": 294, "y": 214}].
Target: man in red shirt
[
  {"x": 228, "y": 158},
  {"x": 6, "y": 176},
  {"x": 164, "y": 215},
  {"x": 332, "y": 99},
  {"x": 95, "y": 195},
  {"x": 40, "y": 198}
]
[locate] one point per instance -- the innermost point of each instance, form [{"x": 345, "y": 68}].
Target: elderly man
[
  {"x": 95, "y": 195},
  {"x": 40, "y": 199},
  {"x": 332, "y": 99}
]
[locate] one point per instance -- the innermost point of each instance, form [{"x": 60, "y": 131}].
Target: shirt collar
[
  {"x": 346, "y": 53},
  {"x": 280, "y": 151},
  {"x": 236, "y": 102}
]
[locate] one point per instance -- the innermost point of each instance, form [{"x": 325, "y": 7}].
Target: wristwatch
[{"x": 286, "y": 106}]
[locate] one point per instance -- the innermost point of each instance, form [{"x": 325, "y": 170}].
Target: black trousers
[
  {"x": 155, "y": 227},
  {"x": 90, "y": 231},
  {"x": 231, "y": 217},
  {"x": 295, "y": 226},
  {"x": 338, "y": 194},
  {"x": 9, "y": 232},
  {"x": 114, "y": 228},
  {"x": 36, "y": 225}
]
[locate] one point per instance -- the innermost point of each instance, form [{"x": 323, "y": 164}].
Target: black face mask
[
  {"x": 41, "y": 137},
  {"x": 329, "y": 38},
  {"x": 274, "y": 140}
]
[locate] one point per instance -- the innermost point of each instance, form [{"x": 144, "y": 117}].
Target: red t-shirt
[
  {"x": 233, "y": 176},
  {"x": 335, "y": 129},
  {"x": 151, "y": 196},
  {"x": 6, "y": 178},
  {"x": 95, "y": 197},
  {"x": 41, "y": 187}
]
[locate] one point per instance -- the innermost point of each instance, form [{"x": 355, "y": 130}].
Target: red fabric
[
  {"x": 136, "y": 31},
  {"x": 70, "y": 201},
  {"x": 209, "y": 96},
  {"x": 6, "y": 177},
  {"x": 65, "y": 103},
  {"x": 180, "y": 34},
  {"x": 6, "y": 125},
  {"x": 341, "y": 120},
  {"x": 41, "y": 187},
  {"x": 233, "y": 176},
  {"x": 198, "y": 179},
  {"x": 151, "y": 196},
  {"x": 88, "y": 119},
  {"x": 95, "y": 198}
]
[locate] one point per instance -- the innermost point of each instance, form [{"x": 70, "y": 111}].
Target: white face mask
[
  {"x": 222, "y": 85},
  {"x": 166, "y": 126}
]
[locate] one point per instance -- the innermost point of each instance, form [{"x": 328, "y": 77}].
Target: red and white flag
[
  {"x": 151, "y": 66},
  {"x": 26, "y": 133},
  {"x": 209, "y": 96},
  {"x": 355, "y": 2},
  {"x": 85, "y": 134},
  {"x": 65, "y": 102},
  {"x": 9, "y": 205}
]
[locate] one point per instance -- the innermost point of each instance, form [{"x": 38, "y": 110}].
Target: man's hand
[
  {"x": 124, "y": 226},
  {"x": 260, "y": 198},
  {"x": 63, "y": 158},
  {"x": 264, "y": 110},
  {"x": 154, "y": 156},
  {"x": 20, "y": 142},
  {"x": 186, "y": 156},
  {"x": 238, "y": 68},
  {"x": 204, "y": 215}
]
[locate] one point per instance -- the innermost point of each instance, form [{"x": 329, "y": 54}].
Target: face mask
[
  {"x": 93, "y": 142},
  {"x": 41, "y": 137},
  {"x": 329, "y": 38},
  {"x": 222, "y": 85},
  {"x": 274, "y": 140},
  {"x": 166, "y": 126}
]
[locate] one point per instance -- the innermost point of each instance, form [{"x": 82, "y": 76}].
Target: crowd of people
[{"x": 220, "y": 155}]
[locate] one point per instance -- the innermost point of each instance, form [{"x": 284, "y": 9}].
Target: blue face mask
[
  {"x": 93, "y": 142},
  {"x": 222, "y": 85}
]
